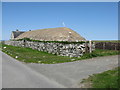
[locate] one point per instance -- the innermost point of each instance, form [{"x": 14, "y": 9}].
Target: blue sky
[{"x": 92, "y": 20}]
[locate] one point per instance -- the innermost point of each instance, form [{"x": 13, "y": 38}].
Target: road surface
[
  {"x": 16, "y": 74},
  {"x": 0, "y": 71}
]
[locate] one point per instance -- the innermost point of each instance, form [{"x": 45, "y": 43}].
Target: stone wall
[{"x": 62, "y": 49}]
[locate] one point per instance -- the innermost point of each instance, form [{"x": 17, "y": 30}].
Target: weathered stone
[{"x": 71, "y": 50}]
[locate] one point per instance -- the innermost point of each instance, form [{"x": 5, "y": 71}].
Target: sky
[{"x": 92, "y": 20}]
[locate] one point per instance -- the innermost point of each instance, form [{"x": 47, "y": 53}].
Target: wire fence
[{"x": 107, "y": 45}]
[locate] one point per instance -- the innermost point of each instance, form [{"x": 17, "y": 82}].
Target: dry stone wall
[{"x": 61, "y": 49}]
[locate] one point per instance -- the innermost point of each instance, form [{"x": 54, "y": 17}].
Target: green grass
[
  {"x": 100, "y": 52},
  {"x": 113, "y": 41},
  {"x": 29, "y": 55},
  {"x": 107, "y": 79},
  {"x": 33, "y": 56}
]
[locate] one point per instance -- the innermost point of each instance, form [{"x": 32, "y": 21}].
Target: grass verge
[
  {"x": 29, "y": 55},
  {"x": 107, "y": 79}
]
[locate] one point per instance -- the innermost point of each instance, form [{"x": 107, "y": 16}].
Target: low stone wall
[{"x": 62, "y": 49}]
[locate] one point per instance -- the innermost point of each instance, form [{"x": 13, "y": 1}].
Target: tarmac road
[{"x": 16, "y": 74}]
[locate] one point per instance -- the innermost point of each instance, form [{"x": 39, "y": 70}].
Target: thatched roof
[{"x": 52, "y": 34}]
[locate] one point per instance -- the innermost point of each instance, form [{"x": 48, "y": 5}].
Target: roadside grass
[
  {"x": 0, "y": 46},
  {"x": 99, "y": 53},
  {"x": 107, "y": 79},
  {"x": 29, "y": 55}
]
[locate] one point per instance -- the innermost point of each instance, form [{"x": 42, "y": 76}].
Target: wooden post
[
  {"x": 104, "y": 45},
  {"x": 115, "y": 46},
  {"x": 86, "y": 50},
  {"x": 90, "y": 46}
]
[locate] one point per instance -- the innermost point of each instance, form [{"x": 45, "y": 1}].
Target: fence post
[
  {"x": 90, "y": 46},
  {"x": 115, "y": 46},
  {"x": 104, "y": 45},
  {"x": 86, "y": 47}
]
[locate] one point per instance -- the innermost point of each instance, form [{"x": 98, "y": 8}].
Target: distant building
[
  {"x": 49, "y": 34},
  {"x": 15, "y": 34}
]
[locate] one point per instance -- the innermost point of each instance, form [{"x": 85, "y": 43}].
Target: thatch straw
[{"x": 52, "y": 34}]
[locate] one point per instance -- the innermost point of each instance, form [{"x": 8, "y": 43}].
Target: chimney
[{"x": 17, "y": 30}]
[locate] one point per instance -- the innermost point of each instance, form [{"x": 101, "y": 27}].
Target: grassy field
[
  {"x": 29, "y": 55},
  {"x": 114, "y": 41},
  {"x": 107, "y": 79}
]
